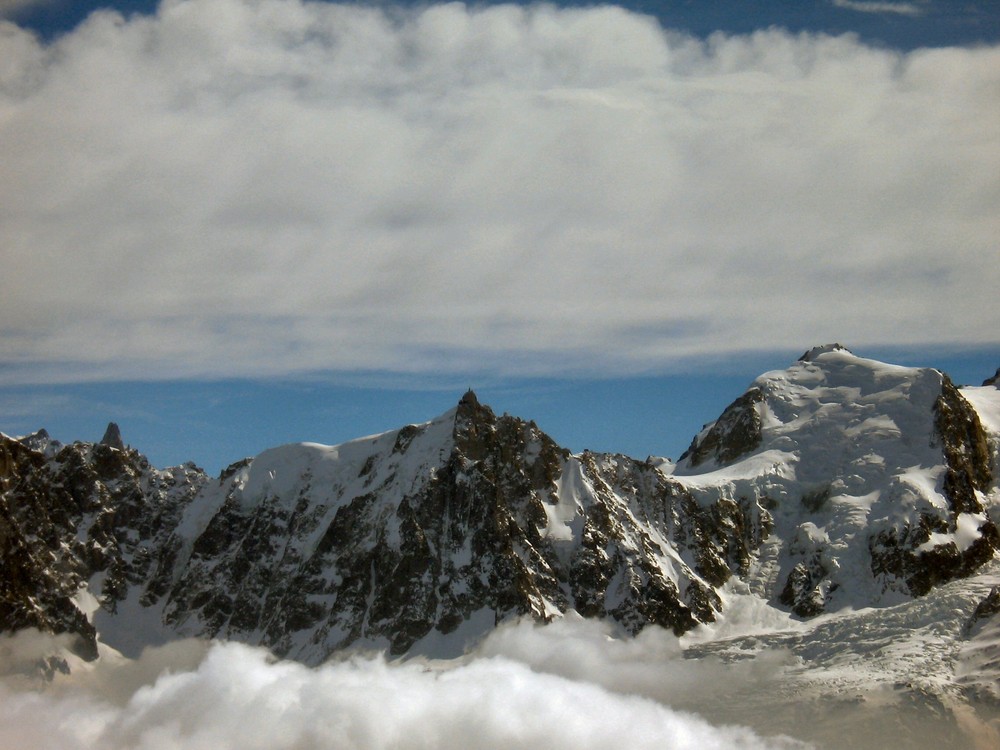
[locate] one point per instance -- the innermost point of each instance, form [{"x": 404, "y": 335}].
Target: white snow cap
[{"x": 810, "y": 355}]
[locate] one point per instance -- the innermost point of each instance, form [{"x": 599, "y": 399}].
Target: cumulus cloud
[
  {"x": 240, "y": 697},
  {"x": 572, "y": 684},
  {"x": 838, "y": 705},
  {"x": 270, "y": 186}
]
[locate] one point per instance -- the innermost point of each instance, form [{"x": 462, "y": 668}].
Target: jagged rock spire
[
  {"x": 36, "y": 441},
  {"x": 995, "y": 380},
  {"x": 470, "y": 410},
  {"x": 473, "y": 422},
  {"x": 113, "y": 437}
]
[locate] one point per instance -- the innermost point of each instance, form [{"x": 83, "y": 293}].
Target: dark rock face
[
  {"x": 995, "y": 380},
  {"x": 39, "y": 577},
  {"x": 89, "y": 510},
  {"x": 735, "y": 434},
  {"x": 614, "y": 574},
  {"x": 965, "y": 447},
  {"x": 113, "y": 437},
  {"x": 408, "y": 548},
  {"x": 39, "y": 441},
  {"x": 967, "y": 458},
  {"x": 987, "y": 609},
  {"x": 803, "y": 592},
  {"x": 462, "y": 542}
]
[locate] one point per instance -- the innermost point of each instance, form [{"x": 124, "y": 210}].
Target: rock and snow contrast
[
  {"x": 875, "y": 477},
  {"x": 841, "y": 514}
]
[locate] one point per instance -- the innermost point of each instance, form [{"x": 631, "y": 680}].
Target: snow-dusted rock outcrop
[
  {"x": 80, "y": 525},
  {"x": 838, "y": 482},
  {"x": 878, "y": 479},
  {"x": 423, "y": 539}
]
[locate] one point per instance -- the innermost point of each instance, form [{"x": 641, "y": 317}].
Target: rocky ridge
[{"x": 838, "y": 482}]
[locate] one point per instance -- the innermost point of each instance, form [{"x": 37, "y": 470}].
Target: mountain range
[{"x": 838, "y": 488}]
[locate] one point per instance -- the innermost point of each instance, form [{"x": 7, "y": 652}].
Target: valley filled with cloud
[{"x": 572, "y": 684}]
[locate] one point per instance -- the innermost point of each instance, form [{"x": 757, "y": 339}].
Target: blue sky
[
  {"x": 229, "y": 224},
  {"x": 901, "y": 24},
  {"x": 214, "y": 423}
]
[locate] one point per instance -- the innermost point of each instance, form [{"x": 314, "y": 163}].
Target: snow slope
[{"x": 848, "y": 458}]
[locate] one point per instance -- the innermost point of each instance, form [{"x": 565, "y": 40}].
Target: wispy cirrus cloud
[
  {"x": 872, "y": 6},
  {"x": 8, "y": 7},
  {"x": 260, "y": 188}
]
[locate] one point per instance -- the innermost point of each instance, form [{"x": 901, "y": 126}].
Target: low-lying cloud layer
[
  {"x": 271, "y": 186},
  {"x": 239, "y": 697},
  {"x": 571, "y": 685}
]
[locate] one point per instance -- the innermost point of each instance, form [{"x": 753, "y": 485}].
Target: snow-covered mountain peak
[
  {"x": 835, "y": 372},
  {"x": 876, "y": 475},
  {"x": 300, "y": 471},
  {"x": 828, "y": 404},
  {"x": 838, "y": 407}
]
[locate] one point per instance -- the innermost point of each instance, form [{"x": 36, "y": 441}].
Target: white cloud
[
  {"x": 239, "y": 697},
  {"x": 863, "y": 6},
  {"x": 275, "y": 186},
  {"x": 838, "y": 705},
  {"x": 571, "y": 684}
]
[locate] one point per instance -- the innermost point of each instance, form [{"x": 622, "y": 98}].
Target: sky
[{"x": 229, "y": 224}]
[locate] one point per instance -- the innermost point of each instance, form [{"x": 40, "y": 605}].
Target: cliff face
[
  {"x": 837, "y": 482},
  {"x": 80, "y": 522},
  {"x": 422, "y": 539}
]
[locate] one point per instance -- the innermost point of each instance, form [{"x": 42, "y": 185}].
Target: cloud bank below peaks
[
  {"x": 240, "y": 697},
  {"x": 570, "y": 684},
  {"x": 263, "y": 187}
]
